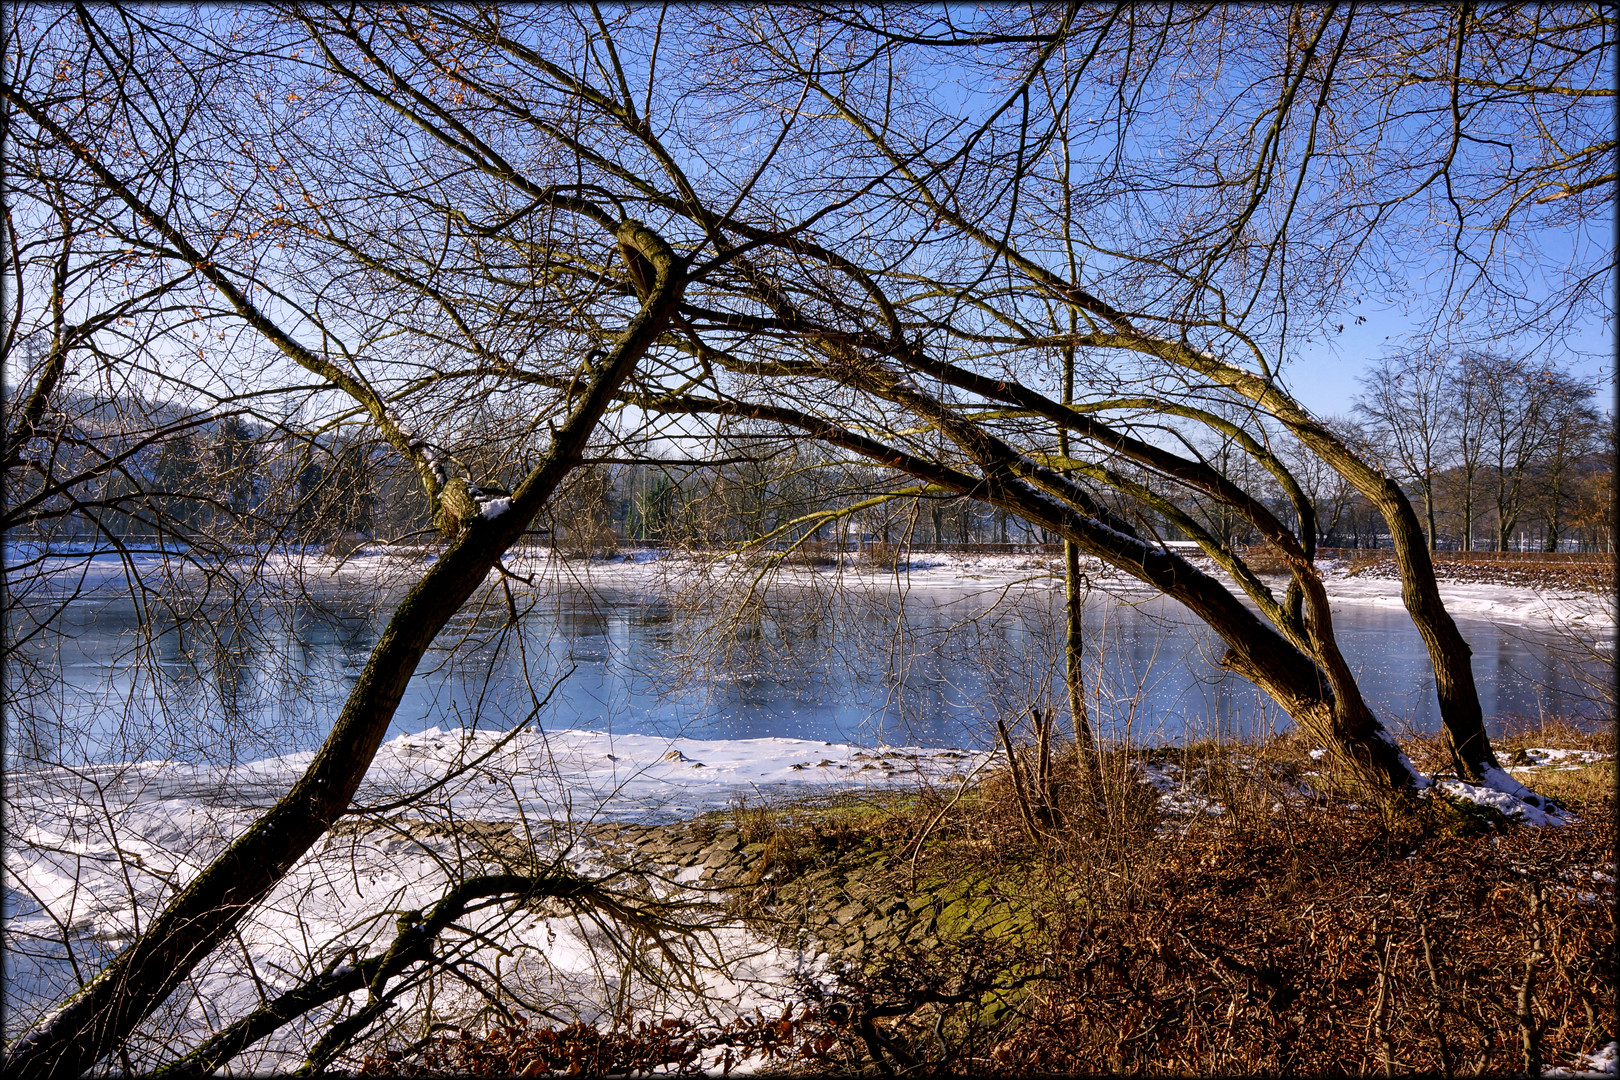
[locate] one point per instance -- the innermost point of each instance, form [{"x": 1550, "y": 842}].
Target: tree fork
[
  {"x": 1256, "y": 651},
  {"x": 1449, "y": 654}
]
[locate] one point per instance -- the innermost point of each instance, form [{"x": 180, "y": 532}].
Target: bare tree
[
  {"x": 936, "y": 180},
  {"x": 1070, "y": 296},
  {"x": 1573, "y": 430},
  {"x": 166, "y": 221},
  {"x": 1405, "y": 401},
  {"x": 1517, "y": 421},
  {"x": 1467, "y": 414}
]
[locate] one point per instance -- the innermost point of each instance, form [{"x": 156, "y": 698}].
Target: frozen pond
[{"x": 262, "y": 676}]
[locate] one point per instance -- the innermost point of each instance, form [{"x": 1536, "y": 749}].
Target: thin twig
[
  {"x": 1437, "y": 1019},
  {"x": 1019, "y": 795},
  {"x": 1528, "y": 1033}
]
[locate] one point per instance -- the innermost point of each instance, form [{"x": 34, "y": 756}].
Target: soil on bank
[{"x": 1595, "y": 577}]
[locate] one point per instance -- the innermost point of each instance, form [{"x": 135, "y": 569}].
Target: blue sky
[{"x": 1325, "y": 377}]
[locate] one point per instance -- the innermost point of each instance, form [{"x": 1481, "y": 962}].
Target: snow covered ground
[
  {"x": 93, "y": 851},
  {"x": 1599, "y": 1063},
  {"x": 653, "y": 569},
  {"x": 1498, "y": 603},
  {"x": 953, "y": 571}
]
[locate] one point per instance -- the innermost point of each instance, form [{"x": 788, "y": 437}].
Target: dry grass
[
  {"x": 884, "y": 555},
  {"x": 1324, "y": 949},
  {"x": 1291, "y": 932}
]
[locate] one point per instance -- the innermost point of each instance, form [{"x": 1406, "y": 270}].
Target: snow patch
[
  {"x": 1500, "y": 603},
  {"x": 1176, "y": 796},
  {"x": 1558, "y": 758},
  {"x": 1598, "y": 1063},
  {"x": 1419, "y": 780},
  {"x": 1539, "y": 812},
  {"x": 93, "y": 852}
]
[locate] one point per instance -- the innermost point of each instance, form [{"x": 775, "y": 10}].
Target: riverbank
[
  {"x": 839, "y": 889},
  {"x": 1510, "y": 599},
  {"x": 1502, "y": 594},
  {"x": 1523, "y": 570},
  {"x": 1290, "y": 931}
]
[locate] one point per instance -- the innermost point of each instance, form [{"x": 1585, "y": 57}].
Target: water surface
[{"x": 259, "y": 674}]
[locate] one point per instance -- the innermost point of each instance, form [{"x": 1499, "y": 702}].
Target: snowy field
[{"x": 93, "y": 850}]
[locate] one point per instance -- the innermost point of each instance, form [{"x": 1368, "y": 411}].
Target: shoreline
[
  {"x": 655, "y": 570},
  {"x": 805, "y": 885}
]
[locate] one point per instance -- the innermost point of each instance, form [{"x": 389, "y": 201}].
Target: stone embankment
[
  {"x": 854, "y": 901},
  {"x": 840, "y": 893}
]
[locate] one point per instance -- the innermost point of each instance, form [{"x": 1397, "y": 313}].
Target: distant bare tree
[
  {"x": 1466, "y": 416},
  {"x": 1573, "y": 437},
  {"x": 1518, "y": 404},
  {"x": 1405, "y": 403}
]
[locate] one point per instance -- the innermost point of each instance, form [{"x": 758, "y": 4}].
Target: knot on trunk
[{"x": 461, "y": 504}]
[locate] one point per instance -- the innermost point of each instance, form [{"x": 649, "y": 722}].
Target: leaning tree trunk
[
  {"x": 100, "y": 1018},
  {"x": 1255, "y": 650},
  {"x": 1448, "y": 652},
  {"x": 1460, "y": 713},
  {"x": 1050, "y": 502},
  {"x": 1293, "y": 680},
  {"x": 1461, "y": 716},
  {"x": 1317, "y": 691}
]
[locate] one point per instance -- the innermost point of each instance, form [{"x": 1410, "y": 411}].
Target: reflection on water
[{"x": 256, "y": 678}]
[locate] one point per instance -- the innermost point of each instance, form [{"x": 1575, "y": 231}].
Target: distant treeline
[{"x": 1497, "y": 455}]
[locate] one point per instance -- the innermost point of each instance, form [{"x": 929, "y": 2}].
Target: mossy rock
[{"x": 961, "y": 915}]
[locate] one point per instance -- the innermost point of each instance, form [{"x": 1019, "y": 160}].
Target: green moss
[{"x": 1460, "y": 817}]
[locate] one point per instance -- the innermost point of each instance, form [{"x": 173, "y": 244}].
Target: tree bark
[
  {"x": 1461, "y": 716},
  {"x": 98, "y": 1019},
  {"x": 1052, "y": 503},
  {"x": 1428, "y": 509},
  {"x": 1468, "y": 513},
  {"x": 1085, "y": 745}
]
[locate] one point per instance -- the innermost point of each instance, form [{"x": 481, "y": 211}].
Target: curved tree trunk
[
  {"x": 1460, "y": 713},
  {"x": 101, "y": 1016},
  {"x": 1291, "y": 679},
  {"x": 1448, "y": 653},
  {"x": 1254, "y": 649},
  {"x": 1303, "y": 672}
]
